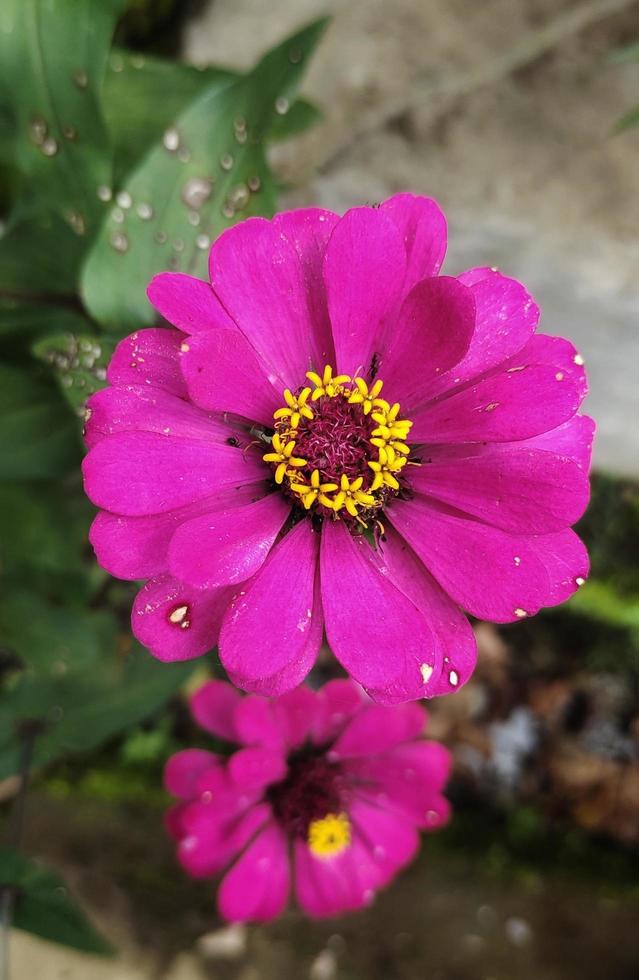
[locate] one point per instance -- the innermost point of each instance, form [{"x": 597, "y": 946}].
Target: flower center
[
  {"x": 312, "y": 791},
  {"x": 338, "y": 447},
  {"x": 329, "y": 836}
]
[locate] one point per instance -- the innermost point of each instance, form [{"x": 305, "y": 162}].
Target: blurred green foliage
[{"x": 114, "y": 165}]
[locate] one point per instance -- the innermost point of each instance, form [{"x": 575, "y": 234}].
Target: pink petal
[
  {"x": 566, "y": 560},
  {"x": 330, "y": 886},
  {"x": 137, "y": 547},
  {"x": 297, "y": 711},
  {"x": 187, "y": 303},
  {"x": 138, "y": 408},
  {"x": 408, "y": 780},
  {"x": 364, "y": 269},
  {"x": 149, "y": 357},
  {"x": 494, "y": 575},
  {"x": 228, "y": 546},
  {"x": 518, "y": 490},
  {"x": 338, "y": 700},
  {"x": 214, "y": 838},
  {"x": 377, "y": 728},
  {"x": 432, "y": 332},
  {"x": 139, "y": 473},
  {"x": 423, "y": 229},
  {"x": 391, "y": 838},
  {"x": 183, "y": 769},
  {"x": 224, "y": 374},
  {"x": 175, "y": 621},
  {"x": 257, "y": 723},
  {"x": 572, "y": 439},
  {"x": 269, "y": 624},
  {"x": 213, "y": 707},
  {"x": 359, "y": 604},
  {"x": 456, "y": 649},
  {"x": 256, "y": 767},
  {"x": 515, "y": 403},
  {"x": 257, "y": 886},
  {"x": 506, "y": 317},
  {"x": 266, "y": 278}
]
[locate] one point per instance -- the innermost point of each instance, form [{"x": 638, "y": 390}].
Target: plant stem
[{"x": 16, "y": 829}]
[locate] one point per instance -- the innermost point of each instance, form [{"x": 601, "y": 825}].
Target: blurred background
[{"x": 517, "y": 116}]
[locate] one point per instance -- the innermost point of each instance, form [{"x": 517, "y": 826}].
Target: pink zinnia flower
[
  {"x": 337, "y": 439},
  {"x": 327, "y": 788}
]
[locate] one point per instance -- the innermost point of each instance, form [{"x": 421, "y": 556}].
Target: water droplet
[
  {"x": 453, "y": 678},
  {"x": 180, "y": 617},
  {"x": 559, "y": 376},
  {"x": 105, "y": 193},
  {"x": 69, "y": 132},
  {"x": 174, "y": 262},
  {"x": 119, "y": 241},
  {"x": 171, "y": 139},
  {"x": 196, "y": 192},
  {"x": 76, "y": 221},
  {"x": 80, "y": 78},
  {"x": 178, "y": 245},
  {"x": 226, "y": 161},
  {"x": 254, "y": 183},
  {"x": 520, "y": 613},
  {"x": 160, "y": 237},
  {"x": 282, "y": 105},
  {"x": 117, "y": 215},
  {"x": 203, "y": 242},
  {"x": 518, "y": 932},
  {"x": 295, "y": 56},
  {"x": 49, "y": 147},
  {"x": 194, "y": 218},
  {"x": 228, "y": 211},
  {"x": 517, "y": 560},
  {"x": 144, "y": 211},
  {"x": 124, "y": 199},
  {"x": 100, "y": 373},
  {"x": 183, "y": 155},
  {"x": 116, "y": 62},
  {"x": 56, "y": 713},
  {"x": 426, "y": 672},
  {"x": 379, "y": 852},
  {"x": 579, "y": 581},
  {"x": 239, "y": 123},
  {"x": 239, "y": 197},
  {"x": 137, "y": 61},
  {"x": 432, "y": 817},
  {"x": 207, "y": 796},
  {"x": 578, "y": 359},
  {"x": 38, "y": 130},
  {"x": 241, "y": 136}
]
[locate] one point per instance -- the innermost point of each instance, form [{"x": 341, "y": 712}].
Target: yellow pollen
[
  {"x": 330, "y": 835},
  {"x": 358, "y": 497}
]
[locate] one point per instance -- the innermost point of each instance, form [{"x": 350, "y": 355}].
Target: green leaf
[
  {"x": 52, "y": 639},
  {"x": 143, "y": 96},
  {"x": 43, "y": 906},
  {"x": 39, "y": 253},
  {"x": 627, "y": 121},
  {"x": 38, "y": 434},
  {"x": 300, "y": 117},
  {"x": 208, "y": 171},
  {"x": 83, "y": 706},
  {"x": 79, "y": 363},
  {"x": 22, "y": 321},
  {"x": 52, "y": 63},
  {"x": 599, "y": 600},
  {"x": 625, "y": 55}
]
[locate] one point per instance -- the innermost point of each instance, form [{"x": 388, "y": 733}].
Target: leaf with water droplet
[
  {"x": 114, "y": 280},
  {"x": 79, "y": 363},
  {"x": 52, "y": 64}
]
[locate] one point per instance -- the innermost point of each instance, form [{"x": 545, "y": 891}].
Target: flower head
[
  {"x": 325, "y": 796},
  {"x": 335, "y": 439}
]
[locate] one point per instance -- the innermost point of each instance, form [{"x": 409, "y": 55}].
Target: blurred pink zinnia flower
[
  {"x": 336, "y": 438},
  {"x": 327, "y": 782}
]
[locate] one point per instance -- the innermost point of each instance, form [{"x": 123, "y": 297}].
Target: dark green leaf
[
  {"x": 82, "y": 707},
  {"x": 207, "y": 172},
  {"x": 43, "y": 906},
  {"x": 79, "y": 363},
  {"x": 22, "y": 321},
  {"x": 300, "y": 117},
  {"x": 52, "y": 63},
  {"x": 39, "y": 253},
  {"x": 38, "y": 434}
]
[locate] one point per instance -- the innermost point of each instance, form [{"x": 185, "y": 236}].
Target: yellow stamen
[
  {"x": 296, "y": 407},
  {"x": 327, "y": 384},
  {"x": 330, "y": 835}
]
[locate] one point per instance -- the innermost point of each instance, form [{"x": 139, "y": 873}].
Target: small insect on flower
[
  {"x": 333, "y": 439},
  {"x": 325, "y": 794}
]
